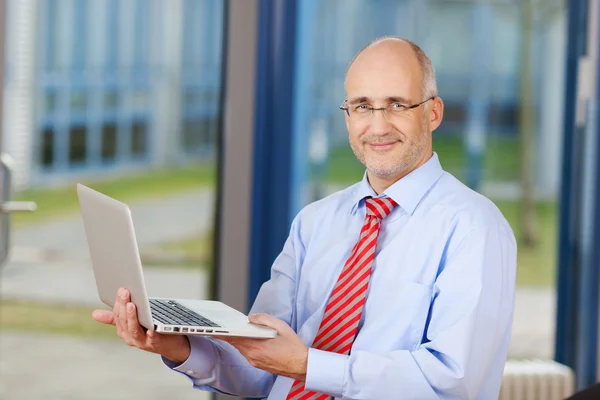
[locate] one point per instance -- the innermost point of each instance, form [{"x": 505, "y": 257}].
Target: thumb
[
  {"x": 268, "y": 321},
  {"x": 104, "y": 316}
]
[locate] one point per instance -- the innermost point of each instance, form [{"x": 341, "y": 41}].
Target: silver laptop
[{"x": 116, "y": 263}]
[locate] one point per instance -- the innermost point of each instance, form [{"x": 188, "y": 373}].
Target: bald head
[{"x": 393, "y": 51}]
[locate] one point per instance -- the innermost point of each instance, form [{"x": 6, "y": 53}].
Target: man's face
[{"x": 392, "y": 144}]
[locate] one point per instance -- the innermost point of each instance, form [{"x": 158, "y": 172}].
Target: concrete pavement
[
  {"x": 74, "y": 283},
  {"x": 156, "y": 221},
  {"x": 36, "y": 366}
]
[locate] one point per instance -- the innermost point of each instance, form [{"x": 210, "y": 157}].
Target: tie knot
[{"x": 380, "y": 207}]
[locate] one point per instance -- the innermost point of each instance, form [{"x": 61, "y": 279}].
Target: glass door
[{"x": 123, "y": 97}]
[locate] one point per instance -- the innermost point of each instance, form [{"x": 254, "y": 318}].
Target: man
[{"x": 401, "y": 286}]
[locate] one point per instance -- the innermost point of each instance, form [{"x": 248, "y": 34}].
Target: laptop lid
[{"x": 114, "y": 251}]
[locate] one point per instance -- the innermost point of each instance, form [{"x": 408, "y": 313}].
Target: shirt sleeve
[
  {"x": 467, "y": 334},
  {"x": 216, "y": 366}
]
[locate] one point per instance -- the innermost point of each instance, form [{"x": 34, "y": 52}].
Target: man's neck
[{"x": 380, "y": 184}]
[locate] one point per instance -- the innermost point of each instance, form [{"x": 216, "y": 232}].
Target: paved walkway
[
  {"x": 533, "y": 324},
  {"x": 35, "y": 366},
  {"x": 74, "y": 283},
  {"x": 156, "y": 221}
]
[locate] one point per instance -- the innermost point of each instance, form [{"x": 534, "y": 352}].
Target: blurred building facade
[
  {"x": 107, "y": 84},
  {"x": 101, "y": 85}
]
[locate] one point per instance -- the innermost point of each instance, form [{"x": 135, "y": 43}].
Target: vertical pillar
[{"x": 481, "y": 23}]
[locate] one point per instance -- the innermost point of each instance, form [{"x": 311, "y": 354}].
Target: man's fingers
[
  {"x": 120, "y": 314},
  {"x": 123, "y": 300},
  {"x": 104, "y": 316},
  {"x": 133, "y": 326},
  {"x": 116, "y": 319}
]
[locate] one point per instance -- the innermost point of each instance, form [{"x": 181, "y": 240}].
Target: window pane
[
  {"x": 140, "y": 100},
  {"x": 52, "y": 35},
  {"x": 112, "y": 33},
  {"x": 78, "y": 101},
  {"x": 138, "y": 138},
  {"x": 50, "y": 102},
  {"x": 79, "y": 36},
  {"x": 47, "y": 148},
  {"x": 199, "y": 135},
  {"x": 110, "y": 100},
  {"x": 77, "y": 145},
  {"x": 192, "y": 134},
  {"x": 95, "y": 115},
  {"x": 141, "y": 34},
  {"x": 109, "y": 142},
  {"x": 475, "y": 49}
]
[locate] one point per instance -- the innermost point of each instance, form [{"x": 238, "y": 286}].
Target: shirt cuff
[
  {"x": 325, "y": 372},
  {"x": 201, "y": 361}
]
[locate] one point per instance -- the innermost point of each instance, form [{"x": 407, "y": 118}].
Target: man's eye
[
  {"x": 361, "y": 108},
  {"x": 397, "y": 106}
]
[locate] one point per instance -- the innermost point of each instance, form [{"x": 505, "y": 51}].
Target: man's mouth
[{"x": 382, "y": 146}]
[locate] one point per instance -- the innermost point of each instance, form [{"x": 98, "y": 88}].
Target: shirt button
[{"x": 189, "y": 372}]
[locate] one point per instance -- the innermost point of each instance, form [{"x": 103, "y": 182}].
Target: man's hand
[
  {"x": 284, "y": 355},
  {"x": 124, "y": 316}
]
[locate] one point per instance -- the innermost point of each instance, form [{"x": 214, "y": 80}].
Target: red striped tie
[{"x": 344, "y": 308}]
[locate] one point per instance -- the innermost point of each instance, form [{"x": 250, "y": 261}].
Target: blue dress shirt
[{"x": 438, "y": 315}]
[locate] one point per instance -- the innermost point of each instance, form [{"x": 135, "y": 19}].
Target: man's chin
[{"x": 383, "y": 172}]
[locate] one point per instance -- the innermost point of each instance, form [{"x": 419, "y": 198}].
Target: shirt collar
[{"x": 408, "y": 191}]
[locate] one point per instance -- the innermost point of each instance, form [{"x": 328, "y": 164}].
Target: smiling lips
[{"x": 382, "y": 146}]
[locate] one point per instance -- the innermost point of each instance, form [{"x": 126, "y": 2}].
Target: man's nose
[{"x": 379, "y": 123}]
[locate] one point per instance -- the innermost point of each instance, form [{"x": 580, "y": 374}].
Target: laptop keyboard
[{"x": 170, "y": 312}]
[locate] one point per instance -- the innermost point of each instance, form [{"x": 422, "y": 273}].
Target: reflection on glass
[{"x": 475, "y": 49}]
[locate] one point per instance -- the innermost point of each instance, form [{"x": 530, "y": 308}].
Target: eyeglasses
[{"x": 363, "y": 111}]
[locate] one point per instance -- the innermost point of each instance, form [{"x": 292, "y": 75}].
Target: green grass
[
  {"x": 536, "y": 266},
  {"x": 51, "y": 318},
  {"x": 56, "y": 202},
  {"x": 501, "y": 160}
]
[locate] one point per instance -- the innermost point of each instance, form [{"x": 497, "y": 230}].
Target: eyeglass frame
[{"x": 384, "y": 109}]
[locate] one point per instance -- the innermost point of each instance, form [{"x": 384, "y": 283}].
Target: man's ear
[{"x": 436, "y": 113}]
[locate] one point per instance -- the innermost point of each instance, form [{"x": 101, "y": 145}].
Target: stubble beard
[{"x": 395, "y": 164}]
